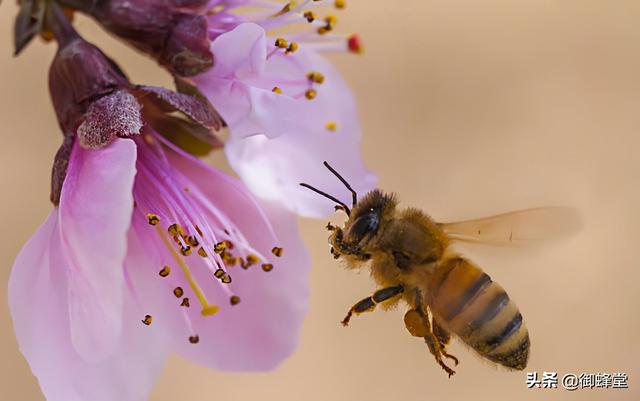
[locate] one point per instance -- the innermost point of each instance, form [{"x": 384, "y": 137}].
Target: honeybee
[{"x": 411, "y": 259}]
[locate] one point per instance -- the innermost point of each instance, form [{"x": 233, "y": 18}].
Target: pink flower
[
  {"x": 286, "y": 107},
  {"x": 148, "y": 251}
]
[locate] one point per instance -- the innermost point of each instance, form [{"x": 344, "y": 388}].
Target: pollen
[
  {"x": 331, "y": 126},
  {"x": 277, "y": 251},
  {"x": 185, "y": 250},
  {"x": 202, "y": 252},
  {"x": 193, "y": 241},
  {"x": 281, "y": 43},
  {"x": 234, "y": 300},
  {"x": 250, "y": 261},
  {"x": 148, "y": 319},
  {"x": 311, "y": 94},
  {"x": 153, "y": 219},
  {"x": 277, "y": 90},
  {"x": 194, "y": 339},
  {"x": 219, "y": 248},
  {"x": 310, "y": 16},
  {"x": 293, "y": 46},
  {"x": 315, "y": 77},
  {"x": 166, "y": 270},
  {"x": 185, "y": 302},
  {"x": 175, "y": 230},
  {"x": 267, "y": 267},
  {"x": 178, "y": 292}
]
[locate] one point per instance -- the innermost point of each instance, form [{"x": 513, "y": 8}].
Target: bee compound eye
[{"x": 364, "y": 225}]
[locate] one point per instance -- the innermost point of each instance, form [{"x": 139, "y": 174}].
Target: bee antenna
[
  {"x": 346, "y": 184},
  {"x": 326, "y": 195}
]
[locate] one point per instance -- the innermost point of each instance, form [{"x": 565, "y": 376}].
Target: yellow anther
[
  {"x": 228, "y": 244},
  {"x": 148, "y": 318},
  {"x": 293, "y": 46},
  {"x": 340, "y": 4},
  {"x": 166, "y": 270},
  {"x": 281, "y": 43},
  {"x": 277, "y": 251},
  {"x": 219, "y": 248},
  {"x": 178, "y": 292},
  {"x": 331, "y": 21},
  {"x": 185, "y": 302},
  {"x": 287, "y": 7},
  {"x": 194, "y": 339},
  {"x": 267, "y": 267},
  {"x": 153, "y": 219},
  {"x": 315, "y": 77},
  {"x": 193, "y": 241},
  {"x": 226, "y": 279},
  {"x": 207, "y": 309},
  {"x": 331, "y": 126},
  {"x": 310, "y": 16},
  {"x": 310, "y": 94},
  {"x": 185, "y": 250},
  {"x": 219, "y": 273},
  {"x": 277, "y": 90},
  {"x": 202, "y": 252},
  {"x": 175, "y": 230}
]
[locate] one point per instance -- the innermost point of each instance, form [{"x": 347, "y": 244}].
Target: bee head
[
  {"x": 364, "y": 216},
  {"x": 367, "y": 215}
]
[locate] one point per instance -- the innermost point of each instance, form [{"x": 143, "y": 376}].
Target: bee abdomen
[{"x": 479, "y": 311}]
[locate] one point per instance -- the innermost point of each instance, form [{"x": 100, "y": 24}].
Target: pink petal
[
  {"x": 94, "y": 215},
  {"x": 278, "y": 141},
  {"x": 247, "y": 109},
  {"x": 38, "y": 299},
  {"x": 263, "y": 329}
]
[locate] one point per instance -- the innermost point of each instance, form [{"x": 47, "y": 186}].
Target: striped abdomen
[{"x": 469, "y": 304}]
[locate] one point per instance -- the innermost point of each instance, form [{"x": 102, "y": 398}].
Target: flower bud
[{"x": 169, "y": 30}]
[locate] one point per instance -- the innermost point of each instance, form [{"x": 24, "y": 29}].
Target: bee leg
[
  {"x": 369, "y": 304},
  {"x": 417, "y": 322},
  {"x": 443, "y": 337}
]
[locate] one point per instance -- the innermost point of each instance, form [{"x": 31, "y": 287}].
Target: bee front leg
[
  {"x": 340, "y": 247},
  {"x": 369, "y": 303}
]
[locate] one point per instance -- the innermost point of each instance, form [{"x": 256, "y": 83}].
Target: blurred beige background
[{"x": 469, "y": 108}]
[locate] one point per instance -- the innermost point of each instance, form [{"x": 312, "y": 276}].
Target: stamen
[
  {"x": 219, "y": 248},
  {"x": 287, "y": 7},
  {"x": 331, "y": 126},
  {"x": 165, "y": 271},
  {"x": 250, "y": 261},
  {"x": 267, "y": 267},
  {"x": 178, "y": 292},
  {"x": 281, "y": 43},
  {"x": 330, "y": 23},
  {"x": 202, "y": 252},
  {"x": 310, "y": 94},
  {"x": 148, "y": 318},
  {"x": 293, "y": 46},
  {"x": 310, "y": 16},
  {"x": 234, "y": 300},
  {"x": 353, "y": 44},
  {"x": 340, "y": 4},
  {"x": 207, "y": 308},
  {"x": 185, "y": 302},
  {"x": 153, "y": 219},
  {"x": 276, "y": 90},
  {"x": 315, "y": 77},
  {"x": 277, "y": 251},
  {"x": 194, "y": 339}
]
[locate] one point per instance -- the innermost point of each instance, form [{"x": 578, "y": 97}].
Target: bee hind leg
[{"x": 417, "y": 322}]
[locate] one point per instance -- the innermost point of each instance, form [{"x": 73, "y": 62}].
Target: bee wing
[{"x": 518, "y": 227}]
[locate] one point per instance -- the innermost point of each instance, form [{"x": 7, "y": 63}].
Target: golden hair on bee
[{"x": 410, "y": 259}]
